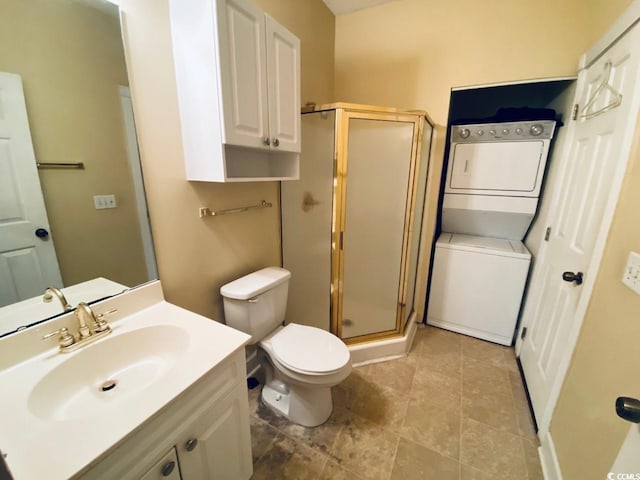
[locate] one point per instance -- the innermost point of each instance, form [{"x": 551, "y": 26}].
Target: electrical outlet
[
  {"x": 631, "y": 275},
  {"x": 104, "y": 201}
]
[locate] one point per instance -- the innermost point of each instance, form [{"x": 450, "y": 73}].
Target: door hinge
[
  {"x": 341, "y": 240},
  {"x": 524, "y": 333},
  {"x": 574, "y": 115},
  {"x": 547, "y": 234}
]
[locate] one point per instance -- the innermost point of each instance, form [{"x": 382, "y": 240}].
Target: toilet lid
[{"x": 309, "y": 349}]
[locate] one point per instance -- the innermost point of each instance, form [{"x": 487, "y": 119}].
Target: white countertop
[{"x": 48, "y": 448}]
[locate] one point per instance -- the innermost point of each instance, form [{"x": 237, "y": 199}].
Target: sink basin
[{"x": 101, "y": 375}]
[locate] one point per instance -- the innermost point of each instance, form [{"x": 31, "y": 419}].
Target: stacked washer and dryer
[{"x": 480, "y": 267}]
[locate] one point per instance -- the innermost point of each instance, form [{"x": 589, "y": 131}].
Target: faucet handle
[
  {"x": 106, "y": 313},
  {"x": 65, "y": 338},
  {"x": 101, "y": 324}
]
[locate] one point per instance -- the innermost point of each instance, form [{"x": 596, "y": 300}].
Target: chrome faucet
[
  {"x": 91, "y": 327},
  {"x": 50, "y": 292}
]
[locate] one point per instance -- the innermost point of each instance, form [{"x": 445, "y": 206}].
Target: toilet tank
[{"x": 256, "y": 303}]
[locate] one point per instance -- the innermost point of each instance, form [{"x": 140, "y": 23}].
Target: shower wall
[{"x": 351, "y": 225}]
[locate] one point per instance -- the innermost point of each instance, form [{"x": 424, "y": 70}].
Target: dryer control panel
[{"x": 509, "y": 131}]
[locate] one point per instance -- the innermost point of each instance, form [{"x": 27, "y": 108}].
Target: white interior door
[
  {"x": 28, "y": 263},
  {"x": 586, "y": 194}
]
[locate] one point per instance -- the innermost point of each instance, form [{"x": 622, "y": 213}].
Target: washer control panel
[{"x": 510, "y": 131}]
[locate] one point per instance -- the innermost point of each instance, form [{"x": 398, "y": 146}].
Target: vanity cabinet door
[
  {"x": 217, "y": 445},
  {"x": 166, "y": 468},
  {"x": 283, "y": 71},
  {"x": 243, "y": 60}
]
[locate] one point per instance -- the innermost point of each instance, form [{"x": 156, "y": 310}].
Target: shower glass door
[{"x": 376, "y": 172}]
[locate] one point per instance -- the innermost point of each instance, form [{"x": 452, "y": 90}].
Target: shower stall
[{"x": 351, "y": 225}]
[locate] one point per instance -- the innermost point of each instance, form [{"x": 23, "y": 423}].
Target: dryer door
[{"x": 504, "y": 168}]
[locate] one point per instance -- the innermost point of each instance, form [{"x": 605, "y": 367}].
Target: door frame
[
  {"x": 338, "y": 224},
  {"x": 629, "y": 19},
  {"x": 133, "y": 156}
]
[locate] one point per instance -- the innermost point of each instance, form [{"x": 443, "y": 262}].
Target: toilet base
[{"x": 308, "y": 407}]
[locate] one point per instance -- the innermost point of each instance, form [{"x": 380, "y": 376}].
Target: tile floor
[{"x": 454, "y": 408}]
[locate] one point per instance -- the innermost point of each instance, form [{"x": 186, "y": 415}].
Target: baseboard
[
  {"x": 384, "y": 349},
  {"x": 548, "y": 458},
  {"x": 472, "y": 332}
]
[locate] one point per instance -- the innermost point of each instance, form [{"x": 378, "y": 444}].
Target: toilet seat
[{"x": 309, "y": 350}]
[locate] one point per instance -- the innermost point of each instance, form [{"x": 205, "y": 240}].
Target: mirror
[{"x": 72, "y": 208}]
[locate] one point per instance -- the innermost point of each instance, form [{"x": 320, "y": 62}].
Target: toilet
[{"x": 301, "y": 363}]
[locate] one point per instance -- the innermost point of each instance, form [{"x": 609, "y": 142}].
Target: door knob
[
  {"x": 276, "y": 142},
  {"x": 267, "y": 141},
  {"x": 42, "y": 233},
  {"x": 572, "y": 277},
  {"x": 628, "y": 409}
]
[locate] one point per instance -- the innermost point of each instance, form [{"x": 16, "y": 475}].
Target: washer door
[{"x": 504, "y": 168}]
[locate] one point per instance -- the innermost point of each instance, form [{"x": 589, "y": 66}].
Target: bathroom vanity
[{"x": 162, "y": 396}]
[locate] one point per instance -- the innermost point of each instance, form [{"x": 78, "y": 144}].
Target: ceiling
[{"x": 342, "y": 7}]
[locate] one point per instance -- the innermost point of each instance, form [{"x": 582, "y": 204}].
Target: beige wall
[
  {"x": 602, "y": 13},
  {"x": 314, "y": 24},
  {"x": 71, "y": 61},
  {"x": 410, "y": 53},
  {"x": 195, "y": 256}
]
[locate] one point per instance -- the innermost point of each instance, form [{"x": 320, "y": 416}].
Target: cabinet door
[
  {"x": 165, "y": 469},
  {"x": 241, "y": 33},
  {"x": 283, "y": 70},
  {"x": 217, "y": 444}
]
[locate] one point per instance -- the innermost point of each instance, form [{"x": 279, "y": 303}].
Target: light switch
[
  {"x": 631, "y": 275},
  {"x": 104, "y": 201}
]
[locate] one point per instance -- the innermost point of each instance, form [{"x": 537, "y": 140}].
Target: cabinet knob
[
  {"x": 167, "y": 468},
  {"x": 191, "y": 444},
  {"x": 267, "y": 141},
  {"x": 276, "y": 142}
]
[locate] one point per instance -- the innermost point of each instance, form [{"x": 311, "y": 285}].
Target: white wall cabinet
[
  {"x": 205, "y": 433},
  {"x": 238, "y": 81}
]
